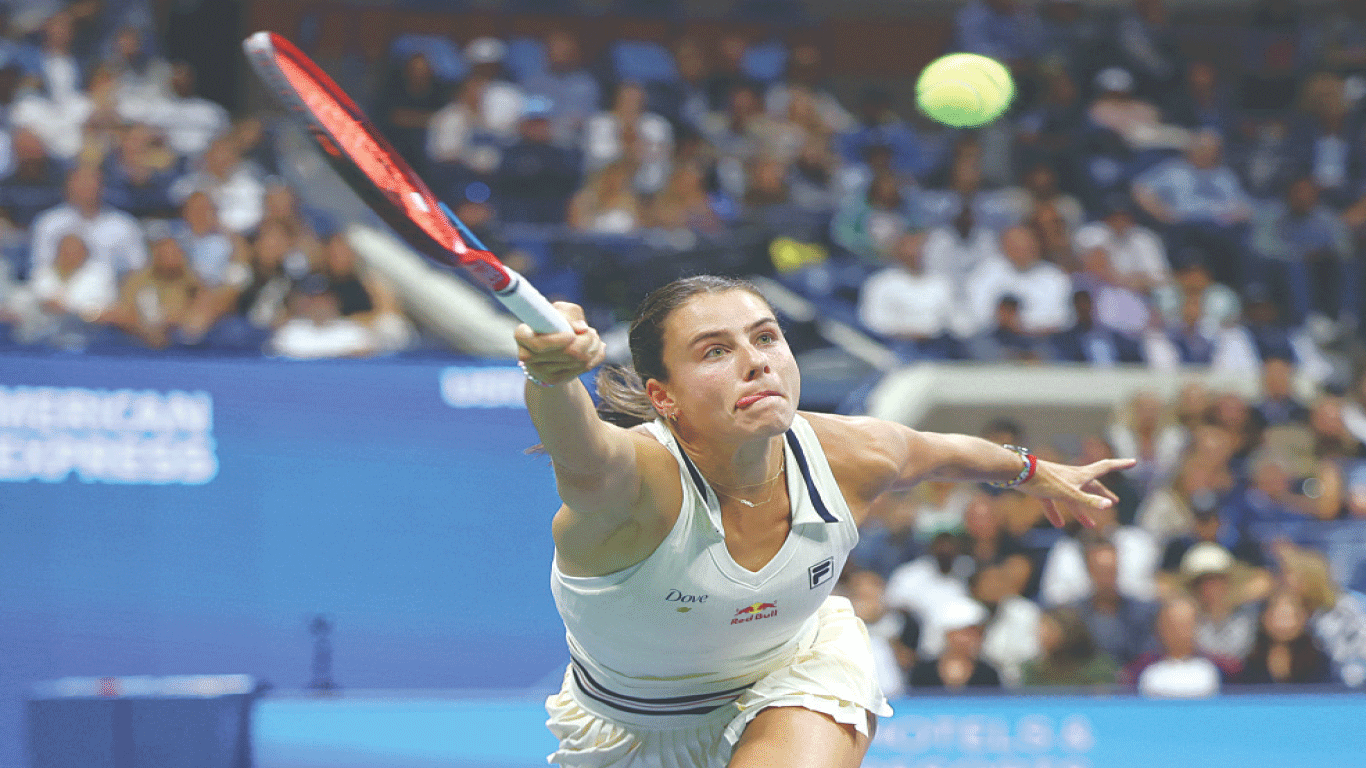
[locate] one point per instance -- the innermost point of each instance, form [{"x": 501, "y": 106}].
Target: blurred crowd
[
  {"x": 1137, "y": 204},
  {"x": 1234, "y": 556},
  {"x": 136, "y": 214}
]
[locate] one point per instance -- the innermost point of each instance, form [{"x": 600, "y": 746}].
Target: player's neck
[{"x": 737, "y": 467}]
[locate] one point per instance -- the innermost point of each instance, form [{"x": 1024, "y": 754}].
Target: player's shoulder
[{"x": 861, "y": 448}]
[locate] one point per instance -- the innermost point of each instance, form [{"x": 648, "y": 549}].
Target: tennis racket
[{"x": 374, "y": 169}]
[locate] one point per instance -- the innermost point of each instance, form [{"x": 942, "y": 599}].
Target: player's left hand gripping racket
[{"x": 374, "y": 169}]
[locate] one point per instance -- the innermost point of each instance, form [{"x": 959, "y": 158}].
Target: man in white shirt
[
  {"x": 904, "y": 303},
  {"x": 955, "y": 249},
  {"x": 114, "y": 238},
  {"x": 921, "y": 586},
  {"x": 1180, "y": 673},
  {"x": 1066, "y": 578},
  {"x": 190, "y": 122},
  {"x": 1044, "y": 291},
  {"x": 1132, "y": 256},
  {"x": 317, "y": 329}
]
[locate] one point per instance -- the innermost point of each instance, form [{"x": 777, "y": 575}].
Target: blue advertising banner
[{"x": 188, "y": 516}]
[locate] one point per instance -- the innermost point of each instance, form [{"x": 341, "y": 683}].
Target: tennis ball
[{"x": 964, "y": 90}]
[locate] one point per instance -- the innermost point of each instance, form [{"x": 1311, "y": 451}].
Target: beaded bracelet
[
  {"x": 530, "y": 377},
  {"x": 1026, "y": 472}
]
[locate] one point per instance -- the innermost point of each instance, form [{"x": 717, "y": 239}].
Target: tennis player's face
[{"x": 731, "y": 373}]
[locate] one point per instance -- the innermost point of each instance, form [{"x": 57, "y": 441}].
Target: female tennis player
[{"x": 695, "y": 552}]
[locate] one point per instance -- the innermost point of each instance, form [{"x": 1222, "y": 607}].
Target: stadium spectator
[
  {"x": 1054, "y": 234},
  {"x": 1121, "y": 625},
  {"x": 1065, "y": 577},
  {"x": 502, "y": 100},
  {"x": 1041, "y": 288},
  {"x": 1305, "y": 253},
  {"x": 813, "y": 177},
  {"x": 190, "y": 121},
  {"x": 1278, "y": 406},
  {"x": 114, "y": 238},
  {"x": 1007, "y": 338},
  {"x": 954, "y": 250},
  {"x": 904, "y": 647},
  {"x": 536, "y": 177},
  {"x": 728, "y": 73},
  {"x": 60, "y": 71},
  {"x": 628, "y": 132},
  {"x": 1068, "y": 655},
  {"x": 265, "y": 284},
  {"x": 1005, "y": 30},
  {"x": 684, "y": 100},
  {"x": 1134, "y": 120},
  {"x": 1192, "y": 278},
  {"x": 1179, "y": 672},
  {"x": 462, "y": 143},
  {"x": 154, "y": 302},
  {"x": 571, "y": 92},
  {"x": 879, "y": 124},
  {"x": 1278, "y": 49},
  {"x": 1135, "y": 256},
  {"x": 142, "y": 76},
  {"x": 959, "y": 664},
  {"x": 1090, "y": 341},
  {"x": 1209, "y": 527},
  {"x": 139, "y": 173},
  {"x": 684, "y": 205},
  {"x": 1145, "y": 429},
  {"x": 232, "y": 183},
  {"x": 1353, "y": 410},
  {"x": 1226, "y": 620},
  {"x": 1144, "y": 42},
  {"x": 926, "y": 584},
  {"x": 364, "y": 296},
  {"x": 806, "y": 70},
  {"x": 963, "y": 186},
  {"x": 1285, "y": 650},
  {"x": 1010, "y": 636},
  {"x": 607, "y": 203},
  {"x": 217, "y": 258},
  {"x": 1200, "y": 201},
  {"x": 1204, "y": 102},
  {"x": 1338, "y": 615},
  {"x": 1046, "y": 130},
  {"x": 1039, "y": 187},
  {"x": 869, "y": 226},
  {"x": 405, "y": 106},
  {"x": 71, "y": 296},
  {"x": 35, "y": 183},
  {"x": 741, "y": 132},
  {"x": 315, "y": 327},
  {"x": 1172, "y": 509},
  {"x": 888, "y": 538},
  {"x": 1333, "y": 438},
  {"x": 908, "y": 306}
]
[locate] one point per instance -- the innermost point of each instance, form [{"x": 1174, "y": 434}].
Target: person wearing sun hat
[
  {"x": 1226, "y": 626},
  {"x": 959, "y": 665}
]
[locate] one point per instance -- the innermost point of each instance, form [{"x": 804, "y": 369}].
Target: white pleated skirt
[{"x": 831, "y": 674}]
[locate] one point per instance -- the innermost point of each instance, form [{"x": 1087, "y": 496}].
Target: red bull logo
[{"x": 755, "y": 612}]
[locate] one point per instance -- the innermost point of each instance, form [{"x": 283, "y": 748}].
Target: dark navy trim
[
  {"x": 816, "y": 499},
  {"x": 692, "y": 470},
  {"x": 590, "y": 687}
]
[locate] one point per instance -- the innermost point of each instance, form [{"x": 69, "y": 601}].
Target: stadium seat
[
  {"x": 642, "y": 61},
  {"x": 525, "y": 58},
  {"x": 440, "y": 51},
  {"x": 765, "y": 62}
]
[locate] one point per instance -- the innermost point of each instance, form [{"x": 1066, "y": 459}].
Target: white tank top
[{"x": 688, "y": 629}]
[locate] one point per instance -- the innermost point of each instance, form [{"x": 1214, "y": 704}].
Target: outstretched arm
[{"x": 871, "y": 456}]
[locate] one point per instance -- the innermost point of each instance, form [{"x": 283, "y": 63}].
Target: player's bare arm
[
  {"x": 611, "y": 515},
  {"x": 870, "y": 456}
]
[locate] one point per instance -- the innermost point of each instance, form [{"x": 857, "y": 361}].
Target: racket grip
[{"x": 523, "y": 300}]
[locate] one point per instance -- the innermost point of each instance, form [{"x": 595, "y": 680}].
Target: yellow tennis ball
[{"x": 964, "y": 90}]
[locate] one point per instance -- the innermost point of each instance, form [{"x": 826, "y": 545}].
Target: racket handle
[{"x": 523, "y": 300}]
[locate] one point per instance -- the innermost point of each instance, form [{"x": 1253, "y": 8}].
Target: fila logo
[{"x": 821, "y": 572}]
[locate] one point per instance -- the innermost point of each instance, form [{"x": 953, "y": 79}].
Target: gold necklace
[{"x": 782, "y": 467}]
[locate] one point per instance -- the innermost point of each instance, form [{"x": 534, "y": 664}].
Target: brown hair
[{"x": 621, "y": 390}]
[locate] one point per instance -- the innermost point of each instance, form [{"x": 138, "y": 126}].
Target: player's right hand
[{"x": 554, "y": 358}]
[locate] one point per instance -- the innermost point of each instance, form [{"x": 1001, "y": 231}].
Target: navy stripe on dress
[
  {"x": 697, "y": 704},
  {"x": 816, "y": 499}
]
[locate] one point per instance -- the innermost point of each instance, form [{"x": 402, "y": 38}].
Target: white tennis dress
[{"x": 671, "y": 658}]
